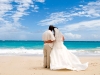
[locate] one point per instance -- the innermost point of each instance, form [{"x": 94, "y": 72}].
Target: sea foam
[{"x": 24, "y": 51}]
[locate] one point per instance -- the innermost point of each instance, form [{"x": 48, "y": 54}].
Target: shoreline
[
  {"x": 33, "y": 65},
  {"x": 41, "y": 55}
]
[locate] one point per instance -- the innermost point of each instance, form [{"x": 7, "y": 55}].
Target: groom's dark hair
[{"x": 51, "y": 27}]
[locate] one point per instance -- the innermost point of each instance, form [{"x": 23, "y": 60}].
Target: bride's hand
[{"x": 63, "y": 38}]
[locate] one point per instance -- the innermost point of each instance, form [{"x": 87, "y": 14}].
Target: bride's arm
[{"x": 63, "y": 38}]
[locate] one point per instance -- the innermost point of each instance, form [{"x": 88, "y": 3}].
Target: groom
[{"x": 48, "y": 39}]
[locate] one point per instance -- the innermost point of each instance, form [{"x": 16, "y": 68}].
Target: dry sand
[{"x": 33, "y": 65}]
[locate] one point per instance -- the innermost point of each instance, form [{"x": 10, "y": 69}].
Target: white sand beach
[{"x": 33, "y": 65}]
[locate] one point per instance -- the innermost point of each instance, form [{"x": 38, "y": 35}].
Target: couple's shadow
[{"x": 42, "y": 68}]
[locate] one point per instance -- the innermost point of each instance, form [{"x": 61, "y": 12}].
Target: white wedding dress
[{"x": 62, "y": 58}]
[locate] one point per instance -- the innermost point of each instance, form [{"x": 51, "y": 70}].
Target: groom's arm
[{"x": 49, "y": 41}]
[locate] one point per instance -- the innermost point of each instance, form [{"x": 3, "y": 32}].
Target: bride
[{"x": 62, "y": 58}]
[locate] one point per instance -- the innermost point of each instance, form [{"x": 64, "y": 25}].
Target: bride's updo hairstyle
[
  {"x": 51, "y": 27},
  {"x": 54, "y": 30}
]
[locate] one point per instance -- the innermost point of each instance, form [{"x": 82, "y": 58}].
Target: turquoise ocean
[{"x": 80, "y": 48}]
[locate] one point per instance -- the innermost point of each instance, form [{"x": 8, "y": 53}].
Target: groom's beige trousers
[{"x": 47, "y": 50}]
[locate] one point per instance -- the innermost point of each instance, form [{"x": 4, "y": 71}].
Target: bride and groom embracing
[{"x": 56, "y": 54}]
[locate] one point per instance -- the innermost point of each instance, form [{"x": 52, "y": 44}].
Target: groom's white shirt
[{"x": 48, "y": 35}]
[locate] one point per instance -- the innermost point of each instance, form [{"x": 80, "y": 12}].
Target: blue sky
[{"x": 78, "y": 20}]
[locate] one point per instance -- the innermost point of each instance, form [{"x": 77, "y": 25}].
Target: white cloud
[
  {"x": 86, "y": 30},
  {"x": 91, "y": 10},
  {"x": 96, "y": 36},
  {"x": 22, "y": 6},
  {"x": 10, "y": 14},
  {"x": 93, "y": 24},
  {"x": 5, "y": 6},
  {"x": 35, "y": 8},
  {"x": 18, "y": 35},
  {"x": 9, "y": 31},
  {"x": 55, "y": 18},
  {"x": 72, "y": 36},
  {"x": 40, "y": 0}
]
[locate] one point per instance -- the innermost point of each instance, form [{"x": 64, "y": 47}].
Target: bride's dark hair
[{"x": 54, "y": 30}]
